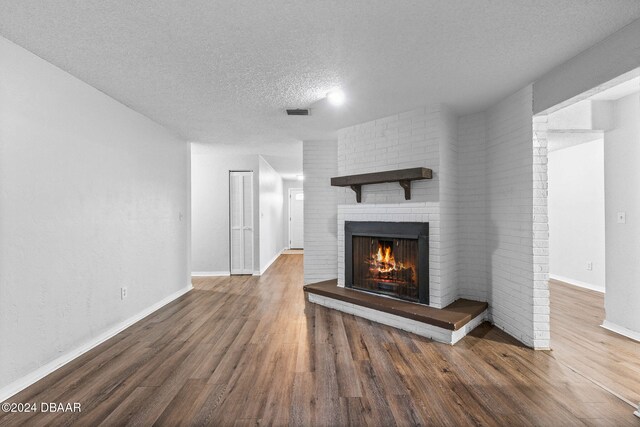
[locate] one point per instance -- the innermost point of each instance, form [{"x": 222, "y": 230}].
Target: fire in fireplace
[
  {"x": 388, "y": 258},
  {"x": 386, "y": 266}
]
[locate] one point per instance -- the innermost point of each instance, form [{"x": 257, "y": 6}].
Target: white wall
[
  {"x": 622, "y": 194},
  {"x": 93, "y": 197},
  {"x": 271, "y": 214},
  {"x": 286, "y": 185},
  {"x": 576, "y": 214},
  {"x": 320, "y": 163},
  {"x": 576, "y": 116},
  {"x": 210, "y": 166}
]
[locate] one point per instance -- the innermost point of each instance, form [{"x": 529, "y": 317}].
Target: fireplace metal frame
[{"x": 398, "y": 230}]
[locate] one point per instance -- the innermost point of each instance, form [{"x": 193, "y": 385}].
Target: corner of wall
[
  {"x": 449, "y": 189},
  {"x": 473, "y": 281},
  {"x": 269, "y": 212},
  {"x": 540, "y": 230},
  {"x": 512, "y": 267},
  {"x": 320, "y": 163}
]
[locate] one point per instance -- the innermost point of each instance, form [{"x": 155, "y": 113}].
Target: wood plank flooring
[
  {"x": 251, "y": 351},
  {"x": 578, "y": 341}
]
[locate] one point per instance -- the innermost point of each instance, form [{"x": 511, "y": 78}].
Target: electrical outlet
[
  {"x": 589, "y": 266},
  {"x": 123, "y": 293},
  {"x": 622, "y": 218}
]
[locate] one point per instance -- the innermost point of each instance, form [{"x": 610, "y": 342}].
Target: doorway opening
[
  {"x": 589, "y": 148},
  {"x": 296, "y": 218}
]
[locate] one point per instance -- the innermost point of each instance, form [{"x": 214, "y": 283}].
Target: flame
[
  {"x": 383, "y": 261},
  {"x": 383, "y": 265},
  {"x": 387, "y": 257}
]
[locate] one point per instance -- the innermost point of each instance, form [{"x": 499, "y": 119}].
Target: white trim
[
  {"x": 188, "y": 215},
  {"x": 266, "y": 267},
  {"x": 621, "y": 330},
  {"x": 637, "y": 413},
  {"x": 289, "y": 213},
  {"x": 29, "y": 379},
  {"x": 435, "y": 333},
  {"x": 577, "y": 283},
  {"x": 209, "y": 273}
]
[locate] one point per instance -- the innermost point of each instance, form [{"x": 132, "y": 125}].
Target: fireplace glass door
[{"x": 386, "y": 266}]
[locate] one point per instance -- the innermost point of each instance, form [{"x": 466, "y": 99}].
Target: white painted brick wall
[
  {"x": 473, "y": 282},
  {"x": 449, "y": 189},
  {"x": 541, "y": 321},
  {"x": 400, "y": 141},
  {"x": 510, "y": 179},
  {"x": 320, "y": 210}
]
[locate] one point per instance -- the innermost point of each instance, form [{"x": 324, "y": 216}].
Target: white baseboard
[
  {"x": 637, "y": 413},
  {"x": 24, "y": 382},
  {"x": 266, "y": 267},
  {"x": 577, "y": 283},
  {"x": 210, "y": 273},
  {"x": 621, "y": 330}
]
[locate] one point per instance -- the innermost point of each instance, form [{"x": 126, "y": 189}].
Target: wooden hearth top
[{"x": 452, "y": 317}]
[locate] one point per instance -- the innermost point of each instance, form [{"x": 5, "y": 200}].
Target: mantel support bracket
[
  {"x": 358, "y": 189},
  {"x": 406, "y": 184}
]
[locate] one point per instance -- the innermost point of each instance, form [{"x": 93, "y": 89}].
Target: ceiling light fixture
[
  {"x": 336, "y": 97},
  {"x": 300, "y": 177}
]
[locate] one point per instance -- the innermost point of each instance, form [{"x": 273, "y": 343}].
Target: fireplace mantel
[{"x": 402, "y": 176}]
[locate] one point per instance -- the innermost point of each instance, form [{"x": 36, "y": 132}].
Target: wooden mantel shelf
[{"x": 402, "y": 176}]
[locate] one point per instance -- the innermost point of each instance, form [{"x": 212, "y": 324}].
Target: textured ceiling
[{"x": 224, "y": 71}]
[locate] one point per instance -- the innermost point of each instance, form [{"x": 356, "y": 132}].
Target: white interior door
[
  {"x": 241, "y": 221},
  {"x": 296, "y": 218}
]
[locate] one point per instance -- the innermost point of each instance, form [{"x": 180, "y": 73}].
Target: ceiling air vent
[{"x": 298, "y": 112}]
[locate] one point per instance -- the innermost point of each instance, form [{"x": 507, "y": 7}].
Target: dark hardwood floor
[{"x": 252, "y": 351}]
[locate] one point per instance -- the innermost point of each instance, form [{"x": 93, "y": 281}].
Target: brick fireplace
[
  {"x": 479, "y": 205},
  {"x": 373, "y": 219},
  {"x": 423, "y": 137}
]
